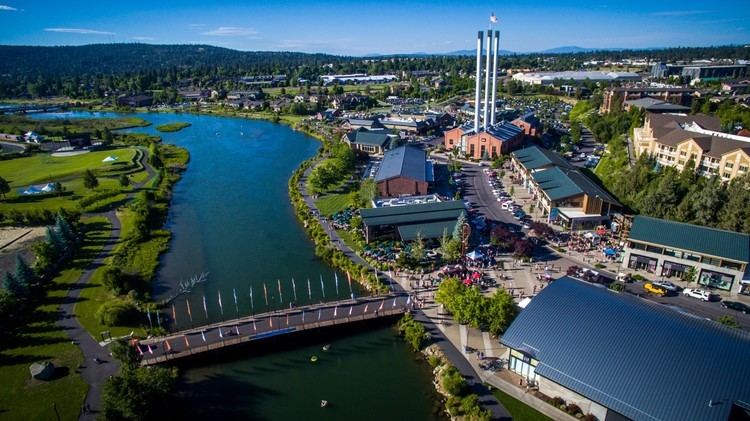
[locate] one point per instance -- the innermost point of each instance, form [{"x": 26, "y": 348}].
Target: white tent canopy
[
  {"x": 110, "y": 158},
  {"x": 475, "y": 255}
]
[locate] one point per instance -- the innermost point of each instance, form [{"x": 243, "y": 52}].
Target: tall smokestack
[
  {"x": 487, "y": 81},
  {"x": 478, "y": 88},
  {"x": 495, "y": 43}
]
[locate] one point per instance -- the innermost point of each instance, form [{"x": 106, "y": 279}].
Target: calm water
[{"x": 231, "y": 217}]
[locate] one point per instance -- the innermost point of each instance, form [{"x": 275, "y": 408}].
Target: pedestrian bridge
[{"x": 198, "y": 340}]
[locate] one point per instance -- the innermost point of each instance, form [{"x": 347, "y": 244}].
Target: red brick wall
[
  {"x": 489, "y": 141},
  {"x": 452, "y": 138},
  {"x": 527, "y": 128},
  {"x": 400, "y": 186}
]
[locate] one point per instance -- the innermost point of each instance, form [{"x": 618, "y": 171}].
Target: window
[
  {"x": 731, "y": 265},
  {"x": 637, "y": 246},
  {"x": 690, "y": 256},
  {"x": 716, "y": 279},
  {"x": 681, "y": 162},
  {"x": 654, "y": 249},
  {"x": 683, "y": 153},
  {"x": 712, "y": 261},
  {"x": 450, "y": 141},
  {"x": 729, "y": 165},
  {"x": 742, "y": 168},
  {"x": 673, "y": 253}
]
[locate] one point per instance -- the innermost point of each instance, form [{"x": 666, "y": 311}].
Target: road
[{"x": 478, "y": 192}]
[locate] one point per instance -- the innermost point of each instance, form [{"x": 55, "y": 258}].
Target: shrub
[
  {"x": 453, "y": 382},
  {"x": 434, "y": 361},
  {"x": 572, "y": 409},
  {"x": 558, "y": 401},
  {"x": 118, "y": 312}
]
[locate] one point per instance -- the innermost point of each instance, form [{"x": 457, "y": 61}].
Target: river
[{"x": 230, "y": 216}]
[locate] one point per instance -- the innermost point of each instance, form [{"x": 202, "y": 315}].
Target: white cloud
[
  {"x": 143, "y": 38},
  {"x": 79, "y": 31},
  {"x": 8, "y": 8},
  {"x": 231, "y": 31},
  {"x": 673, "y": 13}
]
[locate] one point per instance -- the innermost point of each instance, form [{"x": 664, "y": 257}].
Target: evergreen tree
[
  {"x": 11, "y": 285},
  {"x": 24, "y": 274},
  {"x": 4, "y": 187},
  {"x": 52, "y": 237},
  {"x": 708, "y": 201},
  {"x": 89, "y": 180},
  {"x": 458, "y": 230},
  {"x": 64, "y": 229}
]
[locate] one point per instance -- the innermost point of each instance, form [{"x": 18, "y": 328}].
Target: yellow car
[{"x": 655, "y": 289}]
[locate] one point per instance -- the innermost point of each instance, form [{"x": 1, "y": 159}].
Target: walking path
[
  {"x": 93, "y": 373},
  {"x": 449, "y": 347}
]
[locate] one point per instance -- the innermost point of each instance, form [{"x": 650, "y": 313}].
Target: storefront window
[
  {"x": 731, "y": 265},
  {"x": 637, "y": 246},
  {"x": 673, "y": 269},
  {"x": 642, "y": 263},
  {"x": 693, "y": 257},
  {"x": 674, "y": 253},
  {"x": 716, "y": 279},
  {"x": 523, "y": 365},
  {"x": 654, "y": 249}
]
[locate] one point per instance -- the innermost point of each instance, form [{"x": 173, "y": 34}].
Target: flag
[
  {"x": 140, "y": 351},
  {"x": 349, "y": 278},
  {"x": 336, "y": 277},
  {"x": 303, "y": 316},
  {"x": 408, "y": 300},
  {"x": 322, "y": 287},
  {"x": 366, "y": 305},
  {"x": 236, "y": 306},
  {"x": 237, "y": 329},
  {"x": 493, "y": 18},
  {"x": 187, "y": 343},
  {"x": 294, "y": 290},
  {"x": 205, "y": 309},
  {"x": 252, "y": 306},
  {"x": 190, "y": 314},
  {"x": 287, "y": 319},
  {"x": 167, "y": 344},
  {"x": 150, "y": 351},
  {"x": 203, "y": 335},
  {"x": 320, "y": 313},
  {"x": 221, "y": 307},
  {"x": 281, "y": 297},
  {"x": 309, "y": 290},
  {"x": 350, "y": 310},
  {"x": 158, "y": 319},
  {"x": 174, "y": 315},
  {"x": 148, "y": 313},
  {"x": 221, "y": 335},
  {"x": 265, "y": 293},
  {"x": 270, "y": 321},
  {"x": 255, "y": 328},
  {"x": 394, "y": 302},
  {"x": 335, "y": 311},
  {"x": 382, "y": 303}
]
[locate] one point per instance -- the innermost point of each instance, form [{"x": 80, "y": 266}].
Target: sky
[{"x": 376, "y": 27}]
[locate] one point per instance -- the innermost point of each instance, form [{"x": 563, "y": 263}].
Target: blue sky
[{"x": 384, "y": 26}]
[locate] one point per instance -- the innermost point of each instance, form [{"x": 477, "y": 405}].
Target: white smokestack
[
  {"x": 478, "y": 88},
  {"x": 487, "y": 81},
  {"x": 496, "y": 41}
]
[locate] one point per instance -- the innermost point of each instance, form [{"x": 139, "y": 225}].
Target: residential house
[{"x": 371, "y": 142}]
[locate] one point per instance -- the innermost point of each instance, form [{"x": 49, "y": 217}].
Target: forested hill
[{"x": 134, "y": 58}]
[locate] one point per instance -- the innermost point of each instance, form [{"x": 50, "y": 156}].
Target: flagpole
[{"x": 190, "y": 314}]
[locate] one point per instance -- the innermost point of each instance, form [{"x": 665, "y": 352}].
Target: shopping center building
[{"x": 662, "y": 248}]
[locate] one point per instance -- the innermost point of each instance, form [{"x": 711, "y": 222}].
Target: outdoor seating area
[{"x": 341, "y": 219}]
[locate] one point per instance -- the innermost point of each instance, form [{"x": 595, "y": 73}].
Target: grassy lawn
[
  {"x": 332, "y": 203},
  {"x": 23, "y": 398},
  {"x": 44, "y": 168},
  {"x": 519, "y": 410}
]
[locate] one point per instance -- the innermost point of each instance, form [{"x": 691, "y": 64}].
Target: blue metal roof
[
  {"x": 504, "y": 131},
  {"x": 641, "y": 359},
  {"x": 405, "y": 161}
]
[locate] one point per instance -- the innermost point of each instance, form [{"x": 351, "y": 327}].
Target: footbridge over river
[{"x": 198, "y": 340}]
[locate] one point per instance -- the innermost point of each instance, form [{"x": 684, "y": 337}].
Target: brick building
[
  {"x": 404, "y": 171},
  {"x": 501, "y": 138}
]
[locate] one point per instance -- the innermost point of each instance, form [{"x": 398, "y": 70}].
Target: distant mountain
[
  {"x": 474, "y": 52},
  {"x": 572, "y": 49}
]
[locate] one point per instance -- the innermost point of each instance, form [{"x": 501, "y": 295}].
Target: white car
[
  {"x": 504, "y": 205},
  {"x": 667, "y": 285},
  {"x": 698, "y": 293}
]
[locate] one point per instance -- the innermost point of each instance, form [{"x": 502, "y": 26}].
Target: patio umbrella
[{"x": 475, "y": 255}]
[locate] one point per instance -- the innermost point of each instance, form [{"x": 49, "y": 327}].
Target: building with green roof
[
  {"x": 669, "y": 248},
  {"x": 405, "y": 223},
  {"x": 565, "y": 194},
  {"x": 371, "y": 142}
]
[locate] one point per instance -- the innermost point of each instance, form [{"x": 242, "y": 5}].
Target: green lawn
[
  {"x": 22, "y": 398},
  {"x": 44, "y": 168},
  {"x": 519, "y": 410},
  {"x": 332, "y": 203}
]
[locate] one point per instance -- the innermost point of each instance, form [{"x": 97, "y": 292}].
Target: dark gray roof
[
  {"x": 560, "y": 183},
  {"x": 711, "y": 241},
  {"x": 641, "y": 359},
  {"x": 412, "y": 214},
  {"x": 363, "y": 137},
  {"x": 404, "y": 161}
]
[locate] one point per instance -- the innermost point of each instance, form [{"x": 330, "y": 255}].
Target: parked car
[
  {"x": 654, "y": 289},
  {"x": 698, "y": 293},
  {"x": 667, "y": 285},
  {"x": 736, "y": 306}
]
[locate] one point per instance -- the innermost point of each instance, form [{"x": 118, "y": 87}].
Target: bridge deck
[{"x": 261, "y": 326}]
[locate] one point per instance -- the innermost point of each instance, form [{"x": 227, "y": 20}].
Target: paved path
[
  {"x": 93, "y": 373},
  {"x": 456, "y": 358}
]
